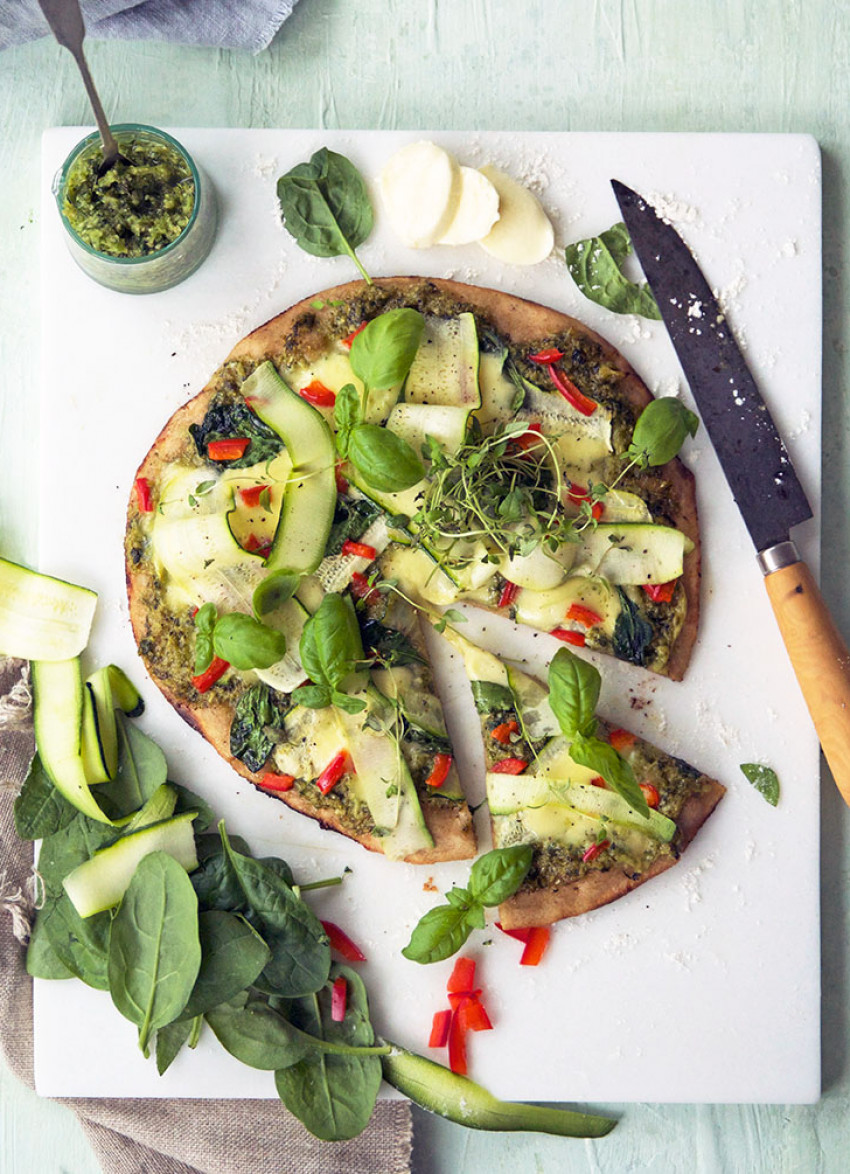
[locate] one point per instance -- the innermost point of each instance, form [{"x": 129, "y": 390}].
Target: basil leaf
[
  {"x": 574, "y": 687},
  {"x": 256, "y": 1034},
  {"x": 232, "y": 955},
  {"x": 203, "y": 653},
  {"x": 439, "y": 933},
  {"x": 348, "y": 413},
  {"x": 273, "y": 591},
  {"x": 490, "y": 697},
  {"x": 764, "y": 779},
  {"x": 349, "y": 704},
  {"x": 331, "y": 645},
  {"x": 326, "y": 206},
  {"x": 169, "y": 1043},
  {"x": 205, "y": 618},
  {"x": 40, "y": 810},
  {"x": 596, "y": 266},
  {"x": 498, "y": 874},
  {"x": 246, "y": 643},
  {"x": 603, "y": 758},
  {"x": 382, "y": 354},
  {"x": 312, "y": 696},
  {"x": 661, "y": 430},
  {"x": 385, "y": 461},
  {"x": 154, "y": 950}
]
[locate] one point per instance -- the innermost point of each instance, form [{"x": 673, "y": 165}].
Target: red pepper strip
[
  {"x": 439, "y": 771},
  {"x": 361, "y": 588},
  {"x": 552, "y": 355},
  {"x": 536, "y": 945},
  {"x": 594, "y": 850},
  {"x": 341, "y": 483},
  {"x": 462, "y": 976},
  {"x": 621, "y": 740},
  {"x": 317, "y": 394},
  {"x": 598, "y": 781},
  {"x": 208, "y": 677},
  {"x": 339, "y": 997},
  {"x": 457, "y": 997},
  {"x": 502, "y": 733},
  {"x": 272, "y": 782},
  {"x": 521, "y": 935},
  {"x": 346, "y": 342},
  {"x": 230, "y": 449},
  {"x": 342, "y": 943},
  {"x": 255, "y": 546},
  {"x": 583, "y": 615},
  {"x": 475, "y": 1017},
  {"x": 509, "y": 766},
  {"x": 577, "y": 494},
  {"x": 569, "y": 637},
  {"x": 529, "y": 439},
  {"x": 660, "y": 592},
  {"x": 650, "y": 794},
  {"x": 571, "y": 393},
  {"x": 359, "y": 549},
  {"x": 440, "y": 1029},
  {"x": 333, "y": 772},
  {"x": 143, "y": 495},
  {"x": 457, "y": 1044},
  {"x": 509, "y": 593},
  {"x": 251, "y": 494}
]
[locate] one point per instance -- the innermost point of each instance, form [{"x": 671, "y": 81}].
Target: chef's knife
[{"x": 757, "y": 467}]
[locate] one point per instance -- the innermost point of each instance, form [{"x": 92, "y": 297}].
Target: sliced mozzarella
[
  {"x": 523, "y": 234},
  {"x": 420, "y": 186},
  {"x": 477, "y": 209}
]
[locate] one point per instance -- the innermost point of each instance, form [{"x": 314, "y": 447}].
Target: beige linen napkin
[{"x": 157, "y": 1136}]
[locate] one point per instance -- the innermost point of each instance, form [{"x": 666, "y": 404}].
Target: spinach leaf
[
  {"x": 227, "y": 420},
  {"x": 490, "y": 697},
  {"x": 169, "y": 1042},
  {"x": 632, "y": 631},
  {"x": 188, "y": 801},
  {"x": 326, "y": 207},
  {"x": 764, "y": 779},
  {"x": 574, "y": 687},
  {"x": 331, "y": 649},
  {"x": 333, "y": 1095},
  {"x": 65, "y": 849},
  {"x": 383, "y": 353},
  {"x": 605, "y": 760},
  {"x": 42, "y": 959},
  {"x": 257, "y": 1035},
  {"x": 385, "y": 461},
  {"x": 351, "y": 519},
  {"x": 258, "y": 709},
  {"x": 300, "y": 952},
  {"x": 160, "y": 806},
  {"x": 247, "y": 643},
  {"x": 390, "y": 646},
  {"x": 596, "y": 266},
  {"x": 661, "y": 430},
  {"x": 80, "y": 944},
  {"x": 232, "y": 955},
  {"x": 40, "y": 810},
  {"x": 154, "y": 950},
  {"x": 141, "y": 771}
]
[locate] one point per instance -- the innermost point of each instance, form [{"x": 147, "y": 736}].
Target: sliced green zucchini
[
  {"x": 532, "y": 704},
  {"x": 414, "y": 422},
  {"x": 445, "y": 369},
  {"x": 42, "y": 618},
  {"x": 631, "y": 553}
]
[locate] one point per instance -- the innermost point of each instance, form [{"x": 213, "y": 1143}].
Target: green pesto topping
[{"x": 139, "y": 206}]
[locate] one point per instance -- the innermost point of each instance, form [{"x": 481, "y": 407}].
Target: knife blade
[{"x": 757, "y": 466}]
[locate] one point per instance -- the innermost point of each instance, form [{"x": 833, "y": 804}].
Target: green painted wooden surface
[{"x": 501, "y": 65}]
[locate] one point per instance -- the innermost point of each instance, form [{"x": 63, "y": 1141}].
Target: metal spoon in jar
[{"x": 66, "y": 22}]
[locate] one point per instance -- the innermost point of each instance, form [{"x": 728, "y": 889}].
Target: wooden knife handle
[{"x": 820, "y": 659}]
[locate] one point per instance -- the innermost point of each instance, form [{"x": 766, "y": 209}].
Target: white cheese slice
[
  {"x": 523, "y": 234},
  {"x": 420, "y": 186},
  {"x": 477, "y": 209}
]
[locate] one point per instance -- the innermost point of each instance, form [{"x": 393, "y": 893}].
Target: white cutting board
[{"x": 702, "y": 985}]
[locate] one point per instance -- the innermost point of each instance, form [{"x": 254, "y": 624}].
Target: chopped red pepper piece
[
  {"x": 509, "y": 593},
  {"x": 230, "y": 449},
  {"x": 342, "y": 943},
  {"x": 457, "y": 997},
  {"x": 577, "y": 494},
  {"x": 333, "y": 772},
  {"x": 583, "y": 615},
  {"x": 341, "y": 483},
  {"x": 462, "y": 976},
  {"x": 521, "y": 935},
  {"x": 359, "y": 549},
  {"x": 317, "y": 394},
  {"x": 529, "y": 439},
  {"x": 339, "y": 998},
  {"x": 474, "y": 1014},
  {"x": 509, "y": 766},
  {"x": 346, "y": 342},
  {"x": 535, "y": 947},
  {"x": 569, "y": 636},
  {"x": 598, "y": 781},
  {"x": 650, "y": 794},
  {"x": 621, "y": 740},
  {"x": 251, "y": 494},
  {"x": 255, "y": 545},
  {"x": 209, "y": 676},
  {"x": 143, "y": 495},
  {"x": 571, "y": 393},
  {"x": 457, "y": 1044},
  {"x": 594, "y": 850},
  {"x": 440, "y": 770},
  {"x": 440, "y": 1029},
  {"x": 660, "y": 592},
  {"x": 502, "y": 733},
  {"x": 552, "y": 355},
  {"x": 273, "y": 782},
  {"x": 361, "y": 588}
]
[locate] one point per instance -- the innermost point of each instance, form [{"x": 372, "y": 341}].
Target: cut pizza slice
[{"x": 592, "y": 843}]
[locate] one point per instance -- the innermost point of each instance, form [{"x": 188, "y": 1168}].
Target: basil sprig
[
  {"x": 381, "y": 356},
  {"x": 241, "y": 640},
  {"x": 331, "y": 650},
  {"x": 326, "y": 207},
  {"x": 596, "y": 266},
  {"x": 661, "y": 430},
  {"x": 573, "y": 693},
  {"x": 492, "y": 879}
]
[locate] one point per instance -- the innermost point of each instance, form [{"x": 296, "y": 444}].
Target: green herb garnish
[
  {"x": 331, "y": 651},
  {"x": 764, "y": 779},
  {"x": 596, "y": 266},
  {"x": 662, "y": 428}
]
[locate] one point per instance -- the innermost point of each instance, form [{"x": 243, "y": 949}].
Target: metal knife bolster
[{"x": 774, "y": 558}]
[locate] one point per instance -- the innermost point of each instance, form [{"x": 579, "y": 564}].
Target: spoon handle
[{"x": 66, "y": 22}]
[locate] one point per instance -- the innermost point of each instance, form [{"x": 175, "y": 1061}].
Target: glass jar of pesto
[{"x": 147, "y": 222}]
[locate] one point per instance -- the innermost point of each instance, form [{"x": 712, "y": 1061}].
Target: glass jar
[{"x": 152, "y": 267}]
